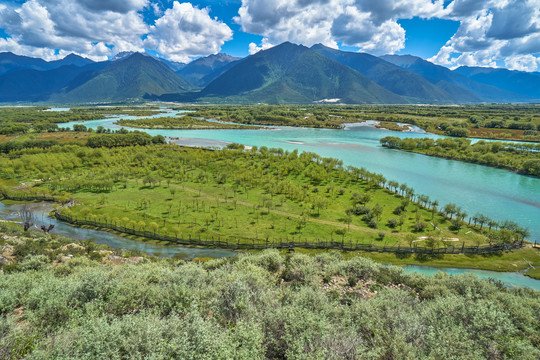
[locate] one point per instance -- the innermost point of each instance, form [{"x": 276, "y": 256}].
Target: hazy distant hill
[
  {"x": 129, "y": 78},
  {"x": 290, "y": 73},
  {"x": 460, "y": 86},
  {"x": 10, "y": 62},
  {"x": 34, "y": 85},
  {"x": 202, "y": 71},
  {"x": 519, "y": 82},
  {"x": 71, "y": 59},
  {"x": 175, "y": 66},
  {"x": 389, "y": 76}
]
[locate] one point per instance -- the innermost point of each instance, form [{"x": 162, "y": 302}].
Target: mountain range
[{"x": 286, "y": 73}]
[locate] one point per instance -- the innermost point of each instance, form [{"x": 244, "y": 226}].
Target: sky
[{"x": 452, "y": 33}]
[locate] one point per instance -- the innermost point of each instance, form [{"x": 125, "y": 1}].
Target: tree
[
  {"x": 401, "y": 221},
  {"x": 434, "y": 205},
  {"x": 154, "y": 226},
  {"x": 410, "y": 238},
  {"x": 377, "y": 211},
  {"x": 142, "y": 225},
  {"x": 420, "y": 226},
  {"x": 450, "y": 209},
  {"x": 320, "y": 203},
  {"x": 348, "y": 221}
]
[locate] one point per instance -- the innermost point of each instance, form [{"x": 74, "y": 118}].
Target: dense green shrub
[{"x": 265, "y": 305}]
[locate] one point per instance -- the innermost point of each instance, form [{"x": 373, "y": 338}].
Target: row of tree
[{"x": 521, "y": 157}]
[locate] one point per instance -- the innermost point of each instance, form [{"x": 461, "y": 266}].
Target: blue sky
[{"x": 502, "y": 33}]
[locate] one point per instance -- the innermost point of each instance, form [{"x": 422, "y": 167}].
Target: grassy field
[
  {"x": 535, "y": 272},
  {"x": 209, "y": 210},
  {"x": 249, "y": 196}
]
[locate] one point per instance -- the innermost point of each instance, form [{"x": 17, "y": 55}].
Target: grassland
[
  {"x": 266, "y": 195},
  {"x": 534, "y": 272}
]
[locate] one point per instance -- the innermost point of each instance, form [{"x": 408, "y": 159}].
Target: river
[
  {"x": 41, "y": 213},
  {"x": 497, "y": 193}
]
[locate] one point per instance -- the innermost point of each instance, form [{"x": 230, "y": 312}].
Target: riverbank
[
  {"x": 519, "y": 158},
  {"x": 513, "y": 261}
]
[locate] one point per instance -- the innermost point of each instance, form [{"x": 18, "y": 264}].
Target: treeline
[
  {"x": 513, "y": 122},
  {"x": 107, "y": 139},
  {"x": 184, "y": 122},
  {"x": 9, "y": 146},
  {"x": 521, "y": 157},
  {"x": 123, "y": 139},
  {"x": 15, "y": 121},
  {"x": 67, "y": 301}
]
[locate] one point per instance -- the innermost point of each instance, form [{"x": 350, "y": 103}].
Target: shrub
[{"x": 420, "y": 226}]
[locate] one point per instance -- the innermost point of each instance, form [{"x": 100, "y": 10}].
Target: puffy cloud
[
  {"x": 522, "y": 62},
  {"x": 102, "y": 28},
  {"x": 185, "y": 31},
  {"x": 81, "y": 26},
  {"x": 265, "y": 44},
  {"x": 369, "y": 25},
  {"x": 492, "y": 30}
]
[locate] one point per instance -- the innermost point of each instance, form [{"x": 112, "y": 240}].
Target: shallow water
[
  {"x": 497, "y": 193},
  {"x": 42, "y": 209},
  {"x": 510, "y": 279}
]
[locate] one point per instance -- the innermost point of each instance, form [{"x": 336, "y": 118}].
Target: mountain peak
[{"x": 125, "y": 54}]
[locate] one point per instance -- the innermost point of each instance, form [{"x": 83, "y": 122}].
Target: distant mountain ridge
[
  {"x": 130, "y": 78},
  {"x": 287, "y": 73},
  {"x": 10, "y": 62},
  {"x": 520, "y": 82},
  {"x": 460, "y": 86},
  {"x": 202, "y": 71},
  {"x": 387, "y": 75}
]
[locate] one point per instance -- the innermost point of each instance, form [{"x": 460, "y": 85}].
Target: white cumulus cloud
[
  {"x": 491, "y": 31},
  {"x": 369, "y": 25},
  {"x": 101, "y": 28},
  {"x": 185, "y": 31}
]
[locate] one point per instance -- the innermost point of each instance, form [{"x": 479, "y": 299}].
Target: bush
[{"x": 420, "y": 226}]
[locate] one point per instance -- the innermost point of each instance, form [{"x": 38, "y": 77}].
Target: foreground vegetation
[
  {"x": 64, "y": 299},
  {"x": 520, "y": 157}
]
